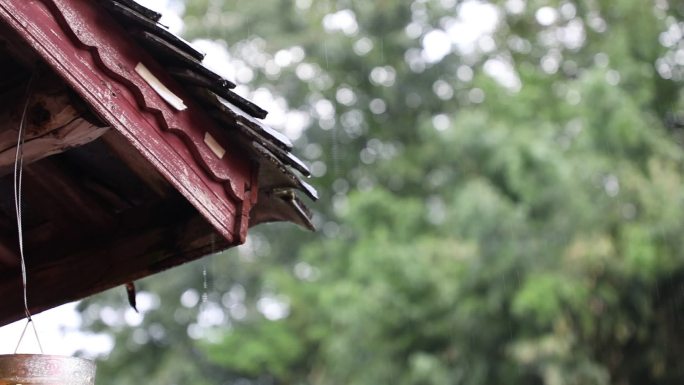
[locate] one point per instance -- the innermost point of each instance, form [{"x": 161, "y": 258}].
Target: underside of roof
[{"x": 137, "y": 157}]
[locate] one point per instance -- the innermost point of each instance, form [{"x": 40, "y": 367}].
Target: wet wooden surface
[{"x": 118, "y": 183}]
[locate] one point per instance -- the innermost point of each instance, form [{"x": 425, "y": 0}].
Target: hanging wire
[{"x": 18, "y": 179}]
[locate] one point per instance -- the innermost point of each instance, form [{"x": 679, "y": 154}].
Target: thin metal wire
[
  {"x": 18, "y": 179},
  {"x": 35, "y": 332}
]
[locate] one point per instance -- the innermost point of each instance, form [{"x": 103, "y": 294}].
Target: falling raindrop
[
  {"x": 205, "y": 296},
  {"x": 335, "y": 152}
]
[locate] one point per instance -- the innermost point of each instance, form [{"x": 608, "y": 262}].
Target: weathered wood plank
[
  {"x": 41, "y": 145},
  {"x": 137, "y": 163},
  {"x": 101, "y": 267},
  {"x": 53, "y": 123},
  {"x": 60, "y": 196}
]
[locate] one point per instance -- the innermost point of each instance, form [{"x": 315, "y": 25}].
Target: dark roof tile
[
  {"x": 137, "y": 17},
  {"x": 148, "y": 13}
]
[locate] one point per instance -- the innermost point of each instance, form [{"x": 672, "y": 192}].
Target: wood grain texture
[
  {"x": 146, "y": 196},
  {"x": 95, "y": 58},
  {"x": 106, "y": 265}
]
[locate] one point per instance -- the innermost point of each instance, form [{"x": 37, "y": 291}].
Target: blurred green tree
[{"x": 502, "y": 202}]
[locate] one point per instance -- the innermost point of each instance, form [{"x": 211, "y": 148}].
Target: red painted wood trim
[{"x": 94, "y": 55}]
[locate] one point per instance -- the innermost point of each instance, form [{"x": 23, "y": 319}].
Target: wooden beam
[
  {"x": 60, "y": 196},
  {"x": 99, "y": 268},
  {"x": 132, "y": 158},
  {"x": 53, "y": 123},
  {"x": 75, "y": 133},
  {"x": 50, "y": 108}
]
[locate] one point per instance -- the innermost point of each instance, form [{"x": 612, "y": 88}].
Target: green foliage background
[{"x": 470, "y": 233}]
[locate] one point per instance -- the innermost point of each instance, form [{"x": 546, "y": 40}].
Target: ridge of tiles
[{"x": 280, "y": 172}]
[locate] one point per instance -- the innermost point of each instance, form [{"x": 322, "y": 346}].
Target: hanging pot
[{"x": 42, "y": 369}]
